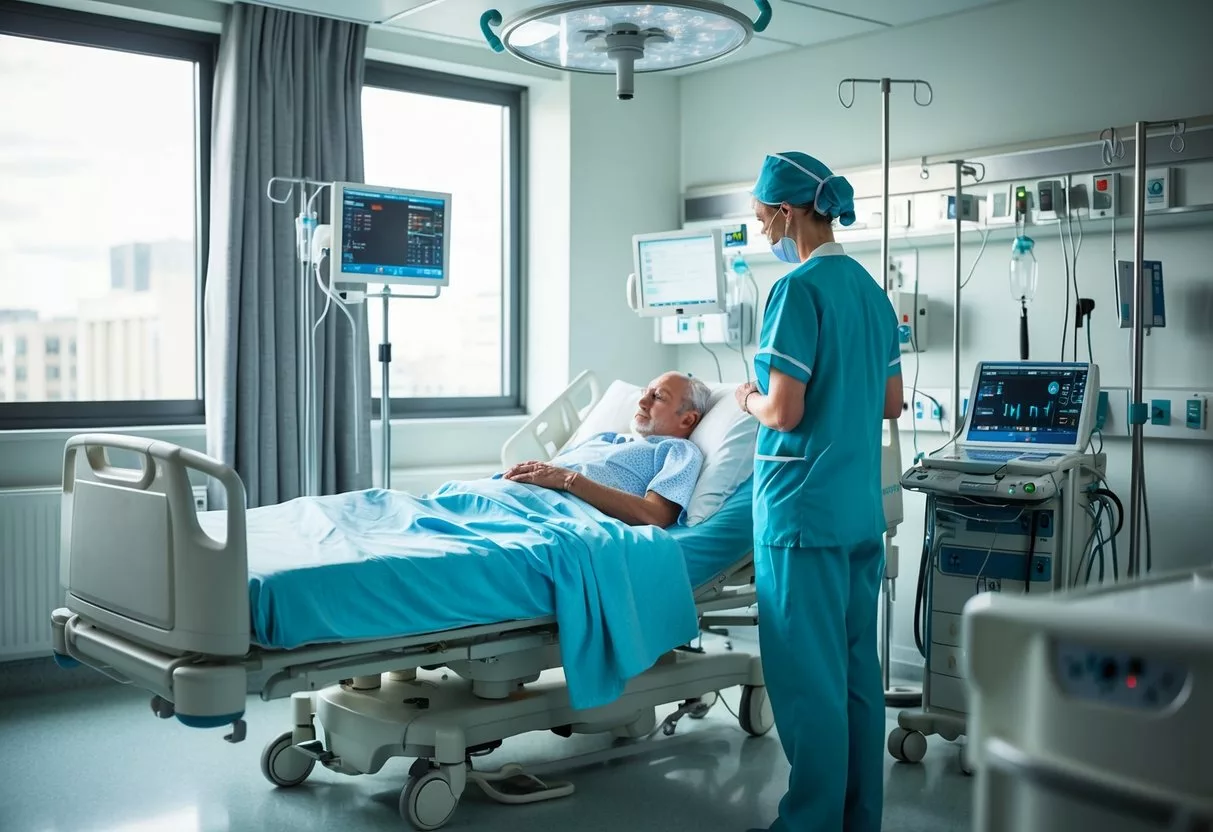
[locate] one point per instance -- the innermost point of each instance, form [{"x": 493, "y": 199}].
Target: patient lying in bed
[{"x": 643, "y": 480}]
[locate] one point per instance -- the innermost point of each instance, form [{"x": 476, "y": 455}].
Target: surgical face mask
[{"x": 785, "y": 250}]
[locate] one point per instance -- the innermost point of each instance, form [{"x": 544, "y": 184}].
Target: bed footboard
[{"x": 133, "y": 559}]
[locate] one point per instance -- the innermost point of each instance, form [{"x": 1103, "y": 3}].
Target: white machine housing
[
  {"x": 1013, "y": 522},
  {"x": 1092, "y": 711},
  {"x": 409, "y": 273}
]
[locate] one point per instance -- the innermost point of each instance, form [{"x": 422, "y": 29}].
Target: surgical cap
[{"x": 799, "y": 179}]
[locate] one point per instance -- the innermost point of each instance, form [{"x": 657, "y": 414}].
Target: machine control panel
[
  {"x": 998, "y": 485},
  {"x": 1118, "y": 678}
]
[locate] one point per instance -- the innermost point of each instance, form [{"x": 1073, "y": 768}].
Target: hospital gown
[{"x": 663, "y": 464}]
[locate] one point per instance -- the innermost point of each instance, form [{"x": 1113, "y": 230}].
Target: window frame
[
  {"x": 105, "y": 32},
  {"x": 389, "y": 76}
]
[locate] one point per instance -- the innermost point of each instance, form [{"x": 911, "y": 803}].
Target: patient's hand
[{"x": 541, "y": 474}]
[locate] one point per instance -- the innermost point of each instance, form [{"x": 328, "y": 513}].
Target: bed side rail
[
  {"x": 134, "y": 560},
  {"x": 547, "y": 431}
]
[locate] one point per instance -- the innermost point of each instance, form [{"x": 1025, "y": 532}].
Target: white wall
[
  {"x": 986, "y": 106},
  {"x": 1110, "y": 62}
]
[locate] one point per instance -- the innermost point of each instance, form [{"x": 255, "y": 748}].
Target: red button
[
  {"x": 905, "y": 319},
  {"x": 1101, "y": 184}
]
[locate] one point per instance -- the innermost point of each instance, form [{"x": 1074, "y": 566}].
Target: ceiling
[{"x": 795, "y": 23}]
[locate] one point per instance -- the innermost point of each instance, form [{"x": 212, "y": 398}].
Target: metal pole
[
  {"x": 956, "y": 307},
  {"x": 385, "y": 396},
  {"x": 885, "y": 87},
  {"x": 1139, "y": 302}
]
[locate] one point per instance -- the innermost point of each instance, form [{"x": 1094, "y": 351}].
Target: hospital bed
[{"x": 199, "y": 610}]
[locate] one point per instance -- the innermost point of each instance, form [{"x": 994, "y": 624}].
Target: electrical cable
[
  {"x": 985, "y": 238},
  {"x": 331, "y": 296},
  {"x": 1065, "y": 318},
  {"x": 923, "y": 566}
]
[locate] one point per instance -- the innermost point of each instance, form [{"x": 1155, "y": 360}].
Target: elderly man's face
[{"x": 657, "y": 411}]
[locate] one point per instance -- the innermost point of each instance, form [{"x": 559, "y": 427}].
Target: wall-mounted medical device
[
  {"x": 968, "y": 207},
  {"x": 1159, "y": 188},
  {"x": 678, "y": 273},
  {"x": 388, "y": 235},
  {"x": 1155, "y": 308},
  {"x": 1000, "y": 206},
  {"x": 1050, "y": 200},
  {"x": 911, "y": 320},
  {"x": 1104, "y": 195}
]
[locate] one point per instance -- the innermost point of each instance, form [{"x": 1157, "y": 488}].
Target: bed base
[{"x": 442, "y": 723}]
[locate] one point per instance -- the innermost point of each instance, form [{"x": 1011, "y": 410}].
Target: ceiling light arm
[
  {"x": 764, "y": 15},
  {"x": 488, "y": 20}
]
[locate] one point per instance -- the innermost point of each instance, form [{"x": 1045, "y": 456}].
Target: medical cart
[{"x": 1009, "y": 510}]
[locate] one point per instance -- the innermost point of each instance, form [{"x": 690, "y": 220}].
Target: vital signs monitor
[
  {"x": 1024, "y": 411},
  {"x": 390, "y": 235},
  {"x": 678, "y": 273}
]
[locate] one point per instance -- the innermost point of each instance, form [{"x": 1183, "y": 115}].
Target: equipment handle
[
  {"x": 1023, "y": 333},
  {"x": 487, "y": 20},
  {"x": 764, "y": 16}
]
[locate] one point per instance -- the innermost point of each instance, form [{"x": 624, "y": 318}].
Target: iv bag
[{"x": 1023, "y": 269}]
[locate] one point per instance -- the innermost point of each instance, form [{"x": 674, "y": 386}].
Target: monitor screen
[
  {"x": 681, "y": 272},
  {"x": 387, "y": 235},
  {"x": 1028, "y": 403}
]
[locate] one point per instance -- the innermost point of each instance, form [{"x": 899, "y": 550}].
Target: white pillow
[{"x": 726, "y": 436}]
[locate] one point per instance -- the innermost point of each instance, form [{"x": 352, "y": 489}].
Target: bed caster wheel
[
  {"x": 756, "y": 716},
  {"x": 283, "y": 764},
  {"x": 704, "y": 705},
  {"x": 162, "y": 708},
  {"x": 907, "y": 746},
  {"x": 962, "y": 757},
  {"x": 427, "y": 801}
]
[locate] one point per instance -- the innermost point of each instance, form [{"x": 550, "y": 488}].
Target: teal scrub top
[{"x": 830, "y": 325}]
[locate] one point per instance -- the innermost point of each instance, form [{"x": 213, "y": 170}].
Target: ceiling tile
[{"x": 897, "y": 12}]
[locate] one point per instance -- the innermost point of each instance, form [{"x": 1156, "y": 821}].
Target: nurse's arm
[
  {"x": 894, "y": 397},
  {"x": 782, "y": 408}
]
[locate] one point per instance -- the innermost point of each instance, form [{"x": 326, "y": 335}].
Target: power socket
[{"x": 929, "y": 411}]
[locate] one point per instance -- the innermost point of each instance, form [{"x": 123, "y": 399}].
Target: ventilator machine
[{"x": 1011, "y": 508}]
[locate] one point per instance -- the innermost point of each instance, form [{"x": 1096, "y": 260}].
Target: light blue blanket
[{"x": 376, "y": 564}]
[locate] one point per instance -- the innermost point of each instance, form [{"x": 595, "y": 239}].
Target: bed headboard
[
  {"x": 547, "y": 431},
  {"x": 133, "y": 557}
]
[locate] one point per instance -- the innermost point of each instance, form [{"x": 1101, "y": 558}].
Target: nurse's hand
[
  {"x": 742, "y": 391},
  {"x": 539, "y": 473}
]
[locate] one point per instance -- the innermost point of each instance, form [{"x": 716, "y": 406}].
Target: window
[
  {"x": 52, "y": 373},
  {"x": 104, "y": 151},
  {"x": 459, "y": 354}
]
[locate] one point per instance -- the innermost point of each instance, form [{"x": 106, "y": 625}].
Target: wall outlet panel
[
  {"x": 924, "y": 415},
  {"x": 1176, "y": 413}
]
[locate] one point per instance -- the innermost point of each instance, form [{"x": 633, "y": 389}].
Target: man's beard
[{"x": 641, "y": 428}]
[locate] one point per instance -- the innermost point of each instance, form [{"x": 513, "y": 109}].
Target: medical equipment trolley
[{"x": 1008, "y": 510}]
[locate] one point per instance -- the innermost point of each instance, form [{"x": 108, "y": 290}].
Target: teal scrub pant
[{"x": 817, "y": 632}]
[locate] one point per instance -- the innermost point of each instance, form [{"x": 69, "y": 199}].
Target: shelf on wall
[{"x": 868, "y": 239}]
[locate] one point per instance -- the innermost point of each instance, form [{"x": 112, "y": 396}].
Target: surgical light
[{"x": 622, "y": 39}]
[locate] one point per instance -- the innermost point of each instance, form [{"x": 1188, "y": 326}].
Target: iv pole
[
  {"x": 309, "y": 421},
  {"x": 895, "y": 696},
  {"x": 1138, "y": 411},
  {"x": 962, "y": 169}
]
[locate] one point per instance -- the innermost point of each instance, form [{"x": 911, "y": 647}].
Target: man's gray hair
[{"x": 698, "y": 397}]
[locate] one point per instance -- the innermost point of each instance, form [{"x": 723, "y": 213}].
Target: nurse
[{"x": 828, "y": 371}]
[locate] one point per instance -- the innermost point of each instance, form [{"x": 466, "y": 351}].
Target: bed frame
[{"x": 167, "y": 610}]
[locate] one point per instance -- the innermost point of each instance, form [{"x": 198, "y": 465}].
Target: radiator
[{"x": 29, "y": 569}]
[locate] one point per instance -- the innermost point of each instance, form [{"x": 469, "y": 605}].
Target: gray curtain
[{"x": 288, "y": 93}]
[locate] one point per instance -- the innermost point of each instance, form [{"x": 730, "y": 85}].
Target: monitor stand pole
[{"x": 385, "y": 362}]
